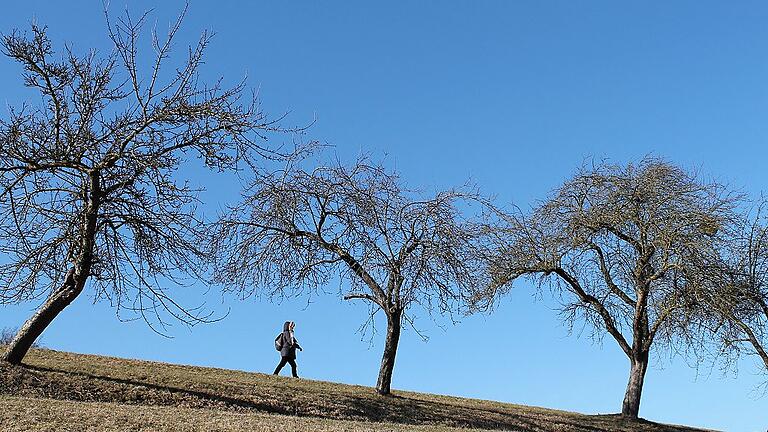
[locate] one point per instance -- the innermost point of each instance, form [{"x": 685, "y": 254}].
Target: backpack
[{"x": 279, "y": 342}]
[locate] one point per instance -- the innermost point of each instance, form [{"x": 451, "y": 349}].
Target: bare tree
[
  {"x": 396, "y": 250},
  {"x": 626, "y": 246},
  {"x": 734, "y": 309},
  {"x": 89, "y": 179}
]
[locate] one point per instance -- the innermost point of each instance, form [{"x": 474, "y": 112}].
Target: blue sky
[{"x": 514, "y": 95}]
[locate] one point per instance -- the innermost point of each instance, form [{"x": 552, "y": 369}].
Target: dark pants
[{"x": 289, "y": 360}]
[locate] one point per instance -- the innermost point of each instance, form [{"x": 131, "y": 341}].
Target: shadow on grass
[
  {"x": 405, "y": 410},
  {"x": 37, "y": 381},
  {"x": 90, "y": 387}
]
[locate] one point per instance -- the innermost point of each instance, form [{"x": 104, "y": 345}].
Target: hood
[{"x": 287, "y": 325}]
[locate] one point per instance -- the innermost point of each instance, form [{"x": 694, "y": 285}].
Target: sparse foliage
[
  {"x": 395, "y": 249},
  {"x": 734, "y": 309},
  {"x": 628, "y": 248},
  {"x": 89, "y": 180}
]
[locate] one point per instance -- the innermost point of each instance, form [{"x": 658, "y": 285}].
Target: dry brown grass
[
  {"x": 24, "y": 414},
  {"x": 65, "y": 391}
]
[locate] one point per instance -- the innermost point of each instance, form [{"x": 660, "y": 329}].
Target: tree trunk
[
  {"x": 390, "y": 351},
  {"x": 639, "y": 365},
  {"x": 34, "y": 327},
  {"x": 73, "y": 282}
]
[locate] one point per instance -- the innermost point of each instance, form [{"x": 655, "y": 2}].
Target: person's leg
[
  {"x": 283, "y": 361},
  {"x": 292, "y": 362}
]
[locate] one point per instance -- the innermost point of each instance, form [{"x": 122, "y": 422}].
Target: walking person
[{"x": 288, "y": 345}]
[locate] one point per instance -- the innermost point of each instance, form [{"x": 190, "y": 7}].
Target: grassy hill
[{"x": 59, "y": 391}]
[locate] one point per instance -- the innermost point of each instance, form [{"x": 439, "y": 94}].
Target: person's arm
[{"x": 296, "y": 344}]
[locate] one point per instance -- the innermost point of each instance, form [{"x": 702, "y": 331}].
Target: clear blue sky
[{"x": 511, "y": 94}]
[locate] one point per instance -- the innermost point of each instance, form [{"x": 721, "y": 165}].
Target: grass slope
[{"x": 60, "y": 391}]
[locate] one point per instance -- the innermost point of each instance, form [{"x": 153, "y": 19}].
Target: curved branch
[
  {"x": 608, "y": 278},
  {"x": 595, "y": 303}
]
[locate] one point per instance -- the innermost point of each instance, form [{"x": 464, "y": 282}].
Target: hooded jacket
[{"x": 289, "y": 341}]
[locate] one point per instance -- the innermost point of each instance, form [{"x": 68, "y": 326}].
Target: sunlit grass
[{"x": 65, "y": 391}]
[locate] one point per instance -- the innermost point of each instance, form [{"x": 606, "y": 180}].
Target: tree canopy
[
  {"x": 625, "y": 245},
  {"x": 89, "y": 179},
  {"x": 394, "y": 247}
]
